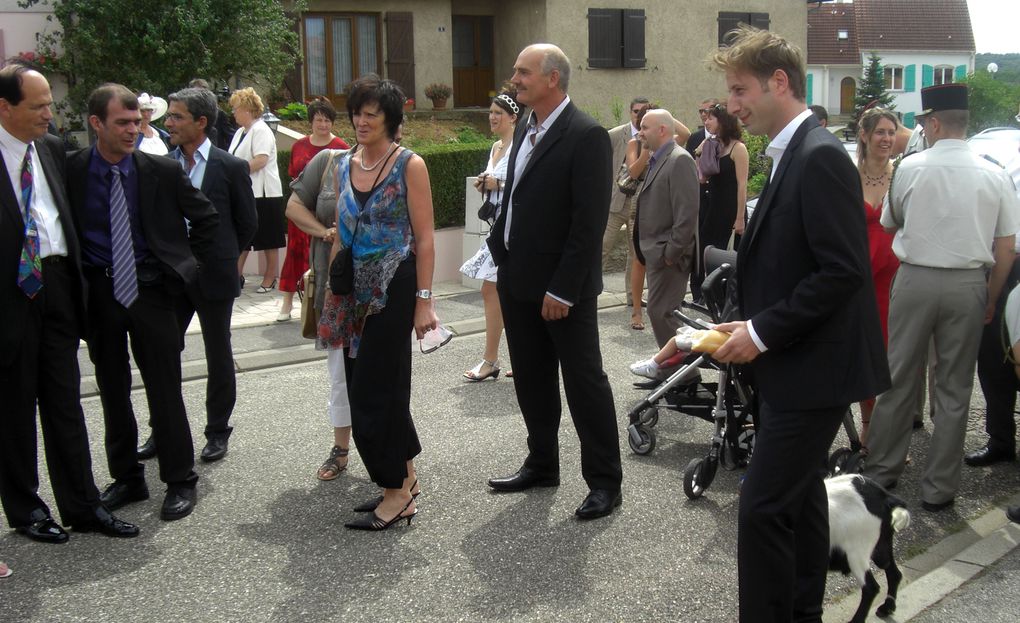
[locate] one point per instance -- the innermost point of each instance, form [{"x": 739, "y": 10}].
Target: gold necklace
[{"x": 377, "y": 162}]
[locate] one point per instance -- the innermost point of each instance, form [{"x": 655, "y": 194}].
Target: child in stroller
[{"x": 729, "y": 403}]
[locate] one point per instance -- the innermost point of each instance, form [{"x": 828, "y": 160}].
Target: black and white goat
[{"x": 862, "y": 520}]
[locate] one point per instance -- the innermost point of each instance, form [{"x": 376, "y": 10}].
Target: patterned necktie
[
  {"x": 125, "y": 281},
  {"x": 30, "y": 265}
]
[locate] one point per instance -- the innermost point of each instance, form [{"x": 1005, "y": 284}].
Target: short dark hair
[
  {"x": 11, "y": 79},
  {"x": 321, "y": 106},
  {"x": 370, "y": 89},
  {"x": 640, "y": 99},
  {"x": 729, "y": 125},
  {"x": 99, "y": 99},
  {"x": 199, "y": 83},
  {"x": 199, "y": 102},
  {"x": 819, "y": 111}
]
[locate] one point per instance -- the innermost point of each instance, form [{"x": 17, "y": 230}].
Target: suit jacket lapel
[
  {"x": 8, "y": 197},
  {"x": 146, "y": 191},
  {"x": 212, "y": 171},
  {"x": 552, "y": 135},
  {"x": 765, "y": 200},
  {"x": 658, "y": 167}
]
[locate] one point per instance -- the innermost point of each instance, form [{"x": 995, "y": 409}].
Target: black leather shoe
[
  {"x": 525, "y": 478},
  {"x": 178, "y": 503},
  {"x": 45, "y": 531},
  {"x": 215, "y": 449},
  {"x": 1013, "y": 514},
  {"x": 104, "y": 522},
  {"x": 118, "y": 494},
  {"x": 988, "y": 456},
  {"x": 599, "y": 503},
  {"x": 937, "y": 507},
  {"x": 148, "y": 449}
]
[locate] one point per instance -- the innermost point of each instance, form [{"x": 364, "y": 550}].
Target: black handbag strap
[{"x": 357, "y": 222}]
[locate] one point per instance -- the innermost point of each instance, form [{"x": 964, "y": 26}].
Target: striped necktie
[
  {"x": 30, "y": 264},
  {"x": 125, "y": 281}
]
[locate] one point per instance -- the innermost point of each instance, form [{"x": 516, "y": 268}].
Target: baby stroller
[{"x": 729, "y": 403}]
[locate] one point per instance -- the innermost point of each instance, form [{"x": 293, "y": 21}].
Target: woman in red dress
[
  {"x": 875, "y": 142},
  {"x": 322, "y": 114}
]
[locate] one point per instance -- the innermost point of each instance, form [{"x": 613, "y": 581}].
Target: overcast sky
[{"x": 996, "y": 25}]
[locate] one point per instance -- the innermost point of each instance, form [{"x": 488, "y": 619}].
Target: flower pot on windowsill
[{"x": 439, "y": 103}]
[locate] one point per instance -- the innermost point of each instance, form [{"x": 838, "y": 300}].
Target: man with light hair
[
  {"x": 811, "y": 334},
  {"x": 667, "y": 221}
]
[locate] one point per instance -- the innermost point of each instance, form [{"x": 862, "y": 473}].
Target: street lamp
[
  {"x": 992, "y": 69},
  {"x": 271, "y": 120}
]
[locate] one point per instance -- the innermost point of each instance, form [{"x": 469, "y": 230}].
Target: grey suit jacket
[
  {"x": 618, "y": 137},
  {"x": 668, "y": 211}
]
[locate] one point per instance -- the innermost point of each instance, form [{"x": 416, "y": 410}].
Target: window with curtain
[
  {"x": 893, "y": 77},
  {"x": 340, "y": 47},
  {"x": 943, "y": 75}
]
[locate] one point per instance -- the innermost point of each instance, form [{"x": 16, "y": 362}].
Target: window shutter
[
  {"x": 759, "y": 20},
  {"x": 960, "y": 73},
  {"x": 727, "y": 22},
  {"x": 927, "y": 76},
  {"x": 909, "y": 78},
  {"x": 605, "y": 32},
  {"x": 634, "y": 38},
  {"x": 908, "y": 120},
  {"x": 810, "y": 83}
]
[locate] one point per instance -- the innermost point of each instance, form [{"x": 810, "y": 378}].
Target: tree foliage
[
  {"x": 872, "y": 88},
  {"x": 158, "y": 46},
  {"x": 993, "y": 102}
]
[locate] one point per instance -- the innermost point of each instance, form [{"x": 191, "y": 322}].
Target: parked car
[{"x": 1001, "y": 144}]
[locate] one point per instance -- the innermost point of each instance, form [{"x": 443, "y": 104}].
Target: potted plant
[
  {"x": 438, "y": 93},
  {"x": 409, "y": 104}
]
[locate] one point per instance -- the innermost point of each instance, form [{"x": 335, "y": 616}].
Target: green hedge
[{"x": 448, "y": 165}]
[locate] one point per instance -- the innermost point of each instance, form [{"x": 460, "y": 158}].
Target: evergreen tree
[{"x": 872, "y": 88}]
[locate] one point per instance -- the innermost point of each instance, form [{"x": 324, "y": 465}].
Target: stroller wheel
[
  {"x": 650, "y": 417},
  {"x": 641, "y": 439},
  {"x": 697, "y": 477},
  {"x": 838, "y": 461}
]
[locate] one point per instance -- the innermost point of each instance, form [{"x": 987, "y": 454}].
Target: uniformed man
[{"x": 954, "y": 215}]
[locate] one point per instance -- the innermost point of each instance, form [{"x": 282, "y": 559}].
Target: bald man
[{"x": 667, "y": 221}]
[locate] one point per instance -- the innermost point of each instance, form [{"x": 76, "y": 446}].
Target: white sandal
[
  {"x": 5, "y": 571},
  {"x": 475, "y": 374}
]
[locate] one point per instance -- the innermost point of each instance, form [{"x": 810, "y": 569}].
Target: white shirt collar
[
  {"x": 203, "y": 149},
  {"x": 551, "y": 119},
  {"x": 777, "y": 147},
  {"x": 633, "y": 130},
  {"x": 13, "y": 144}
]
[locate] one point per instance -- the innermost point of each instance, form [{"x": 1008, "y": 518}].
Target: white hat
[{"x": 157, "y": 104}]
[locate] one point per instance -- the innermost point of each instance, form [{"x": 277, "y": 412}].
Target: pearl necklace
[{"x": 377, "y": 162}]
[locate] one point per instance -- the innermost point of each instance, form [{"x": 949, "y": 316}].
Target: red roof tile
[
  {"x": 928, "y": 25},
  {"x": 824, "y": 46}
]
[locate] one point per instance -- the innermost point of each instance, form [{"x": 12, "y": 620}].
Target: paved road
[{"x": 266, "y": 542}]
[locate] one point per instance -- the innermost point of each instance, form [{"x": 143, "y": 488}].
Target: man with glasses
[{"x": 618, "y": 206}]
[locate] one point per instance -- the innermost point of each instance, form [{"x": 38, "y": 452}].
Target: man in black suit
[
  {"x": 811, "y": 334},
  {"x": 42, "y": 318},
  {"x": 130, "y": 210},
  {"x": 547, "y": 245},
  {"x": 224, "y": 180}
]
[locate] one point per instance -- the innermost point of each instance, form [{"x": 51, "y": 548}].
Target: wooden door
[
  {"x": 400, "y": 50},
  {"x": 847, "y": 93},
  {"x": 473, "y": 67}
]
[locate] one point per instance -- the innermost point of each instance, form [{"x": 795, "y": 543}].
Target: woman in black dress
[{"x": 727, "y": 189}]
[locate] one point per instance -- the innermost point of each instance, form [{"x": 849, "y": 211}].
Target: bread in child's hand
[{"x": 708, "y": 341}]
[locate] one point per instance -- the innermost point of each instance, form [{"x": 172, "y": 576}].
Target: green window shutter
[
  {"x": 960, "y": 73},
  {"x": 927, "y": 76},
  {"x": 810, "y": 83},
  {"x": 908, "y": 120},
  {"x": 909, "y": 78}
]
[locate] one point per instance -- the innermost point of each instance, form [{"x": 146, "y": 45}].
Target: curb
[
  {"x": 289, "y": 355},
  {"x": 941, "y": 569}
]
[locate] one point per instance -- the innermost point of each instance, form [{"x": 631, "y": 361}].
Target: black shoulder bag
[
  {"x": 488, "y": 210},
  {"x": 341, "y": 270}
]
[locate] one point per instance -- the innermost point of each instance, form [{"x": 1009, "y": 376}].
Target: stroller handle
[{"x": 697, "y": 323}]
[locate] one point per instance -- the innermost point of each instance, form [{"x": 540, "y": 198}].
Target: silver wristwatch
[{"x": 424, "y": 294}]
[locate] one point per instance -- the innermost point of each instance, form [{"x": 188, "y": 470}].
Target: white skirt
[{"x": 479, "y": 265}]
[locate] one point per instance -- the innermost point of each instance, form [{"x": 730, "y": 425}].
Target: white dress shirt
[
  {"x": 197, "y": 173},
  {"x": 43, "y": 207},
  {"x": 776, "y": 150}
]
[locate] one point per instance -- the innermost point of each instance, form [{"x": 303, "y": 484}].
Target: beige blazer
[
  {"x": 668, "y": 211},
  {"x": 618, "y": 137}
]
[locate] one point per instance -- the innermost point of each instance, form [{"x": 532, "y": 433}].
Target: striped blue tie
[{"x": 125, "y": 281}]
